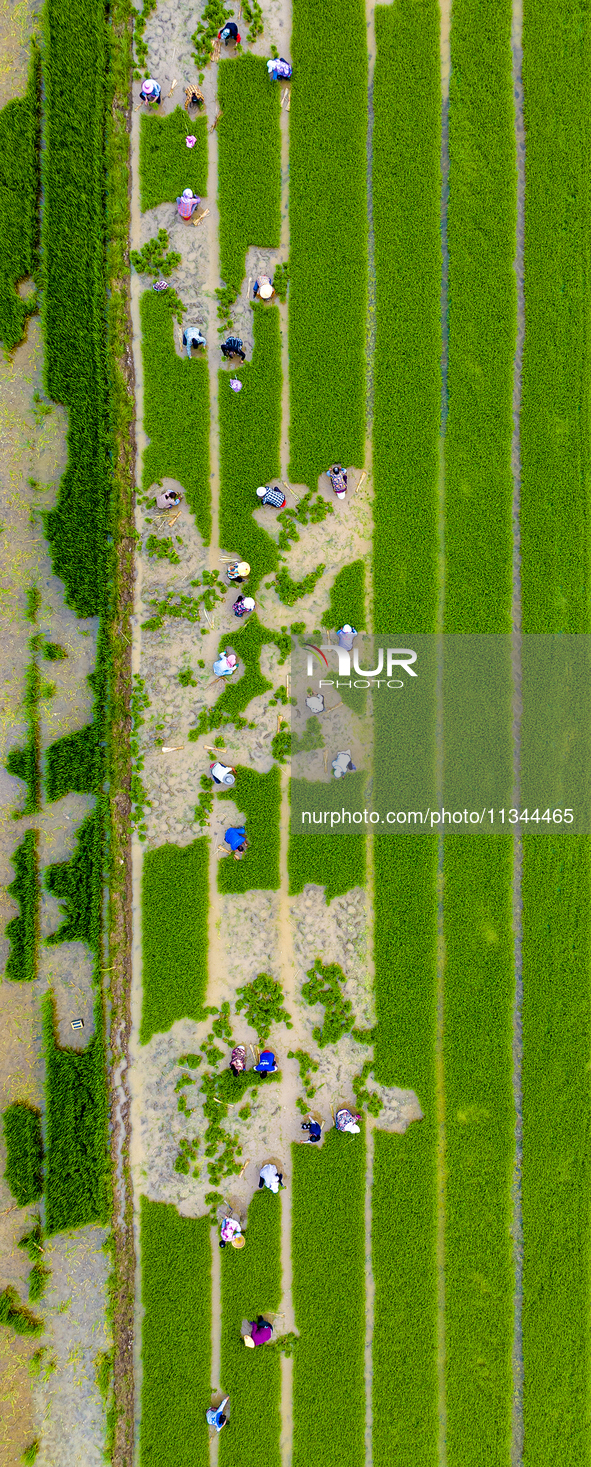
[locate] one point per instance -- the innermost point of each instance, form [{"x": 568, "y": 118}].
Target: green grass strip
[
  {"x": 555, "y": 408},
  {"x": 174, "y": 974},
  {"x": 249, "y": 163},
  {"x": 337, "y": 860},
  {"x": 176, "y": 412},
  {"x": 328, "y": 230},
  {"x": 556, "y": 1178},
  {"x": 73, "y": 763},
  {"x": 479, "y": 1138},
  {"x": 77, "y": 1165},
  {"x": 251, "y": 1285},
  {"x": 74, "y": 320},
  {"x": 250, "y": 436},
  {"x": 347, "y": 598},
  {"x": 19, "y": 190},
  {"x": 24, "y": 1152},
  {"x": 78, "y": 883},
  {"x": 167, "y": 165},
  {"x": 482, "y": 320},
  {"x": 407, "y": 383},
  {"x": 328, "y": 1223},
  {"x": 23, "y": 931},
  {"x": 176, "y": 1337},
  {"x": 258, "y": 797}
]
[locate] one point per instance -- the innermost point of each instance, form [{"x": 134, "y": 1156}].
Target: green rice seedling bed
[
  {"x": 19, "y": 190},
  {"x": 479, "y": 1140},
  {"x": 251, "y": 1285},
  {"x": 250, "y": 435},
  {"x": 258, "y": 799},
  {"x": 73, "y": 763},
  {"x": 175, "y": 906},
  {"x": 347, "y": 598},
  {"x": 167, "y": 165},
  {"x": 556, "y": 1180},
  {"x": 328, "y": 230},
  {"x": 482, "y": 321},
  {"x": 23, "y": 930},
  {"x": 404, "y": 1199},
  {"x": 74, "y": 321},
  {"x": 555, "y": 405},
  {"x": 24, "y": 1152},
  {"x": 77, "y": 1166},
  {"x": 337, "y": 860},
  {"x": 176, "y": 1337},
  {"x": 236, "y": 695},
  {"x": 328, "y": 1223},
  {"x": 249, "y": 163},
  {"x": 176, "y": 412},
  {"x": 407, "y": 384},
  {"x": 78, "y": 883}
]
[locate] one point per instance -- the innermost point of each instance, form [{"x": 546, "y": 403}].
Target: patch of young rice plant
[
  {"x": 19, "y": 189},
  {"x": 249, "y": 163},
  {"x": 24, "y": 1152},
  {"x": 175, "y": 906},
  {"x": 407, "y": 385},
  {"x": 23, "y": 930},
  {"x": 74, "y": 317},
  {"x": 556, "y": 1180},
  {"x": 176, "y": 1337},
  {"x": 479, "y": 1142},
  {"x": 555, "y": 407},
  {"x": 78, "y": 884},
  {"x": 250, "y": 434},
  {"x": 17, "y": 1316},
  {"x": 73, "y": 763},
  {"x": 77, "y": 1163},
  {"x": 167, "y": 165},
  {"x": 251, "y": 1285},
  {"x": 347, "y": 598},
  {"x": 258, "y": 798},
  {"x": 176, "y": 412},
  {"x": 482, "y": 320},
  {"x": 328, "y": 1239},
  {"x": 328, "y": 229},
  {"x": 320, "y": 857}
]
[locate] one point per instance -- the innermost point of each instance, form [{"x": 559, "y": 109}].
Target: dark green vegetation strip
[
  {"x": 77, "y": 1174},
  {"x": 328, "y": 228},
  {"x": 251, "y": 1285},
  {"x": 176, "y": 1329},
  {"x": 236, "y": 695},
  {"x": 73, "y": 763},
  {"x": 258, "y": 798},
  {"x": 74, "y": 319},
  {"x": 347, "y": 598},
  {"x": 404, "y": 1199},
  {"x": 249, "y": 163},
  {"x": 24, "y": 1152},
  {"x": 556, "y": 1179},
  {"x": 334, "y": 860},
  {"x": 25, "y": 763},
  {"x": 23, "y": 930},
  {"x": 175, "y": 907},
  {"x": 555, "y": 407},
  {"x": 78, "y": 883},
  {"x": 176, "y": 412},
  {"x": 482, "y": 320},
  {"x": 250, "y": 434},
  {"x": 17, "y": 1316},
  {"x": 167, "y": 165},
  {"x": 328, "y": 1218},
  {"x": 19, "y": 189},
  {"x": 479, "y": 1135},
  {"x": 407, "y": 385}
]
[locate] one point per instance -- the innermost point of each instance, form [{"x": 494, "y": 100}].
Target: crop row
[
  {"x": 176, "y": 1336},
  {"x": 19, "y": 190},
  {"x": 250, "y": 435},
  {"x": 175, "y": 907},
  {"x": 167, "y": 166},
  {"x": 335, "y": 860},
  {"x": 23, "y": 930},
  {"x": 24, "y": 1152},
  {"x": 328, "y": 1222},
  {"x": 77, "y": 1177},
  {"x": 258, "y": 798},
  {"x": 556, "y": 886},
  {"x": 176, "y": 412},
  {"x": 251, "y": 1285},
  {"x": 328, "y": 232},
  {"x": 249, "y": 163}
]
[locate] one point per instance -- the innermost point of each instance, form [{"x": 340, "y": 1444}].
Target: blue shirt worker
[
  {"x": 267, "y": 1064},
  {"x": 215, "y": 1416},
  {"x": 235, "y": 838}
]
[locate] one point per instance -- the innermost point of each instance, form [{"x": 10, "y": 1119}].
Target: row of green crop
[
  {"x": 249, "y": 164},
  {"x": 175, "y": 908},
  {"x": 24, "y": 1152},
  {"x": 77, "y": 1171},
  {"x": 167, "y": 165},
  {"x": 19, "y": 192},
  {"x": 328, "y": 237},
  {"x": 556, "y": 883},
  {"x": 251, "y": 1285},
  {"x": 477, "y": 893},
  {"x": 250, "y": 436},
  {"x": 335, "y": 860},
  {"x": 176, "y": 1343},
  {"x": 258, "y": 798},
  {"x": 176, "y": 412}
]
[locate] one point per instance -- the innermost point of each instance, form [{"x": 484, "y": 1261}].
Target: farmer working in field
[
  {"x": 346, "y": 636},
  {"x": 267, "y": 1064},
  {"x": 222, "y": 773},
  {"x": 238, "y": 1059},
  {"x": 260, "y": 1332},
  {"x": 264, "y": 287},
  {"x": 215, "y": 1416},
  {"x": 192, "y": 336},
  {"x": 243, "y": 606},
  {"x": 168, "y": 499},
  {"x": 268, "y": 495},
  {"x": 233, "y": 348},
  {"x": 229, "y": 33},
  {"x": 270, "y": 1177},
  {"x": 238, "y": 571},
  {"x": 314, "y": 1128},
  {"x": 235, "y": 838},
  {"x": 151, "y": 91},
  {"x": 187, "y": 203},
  {"x": 279, "y": 68}
]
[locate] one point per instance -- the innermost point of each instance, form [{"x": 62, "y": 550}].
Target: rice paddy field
[{"x": 413, "y": 179}]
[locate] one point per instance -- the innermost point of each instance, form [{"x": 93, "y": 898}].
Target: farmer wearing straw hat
[
  {"x": 230, "y": 1229},
  {"x": 243, "y": 606},
  {"x": 151, "y": 91},
  {"x": 260, "y": 1332},
  {"x": 264, "y": 287},
  {"x": 268, "y": 495},
  {"x": 187, "y": 203},
  {"x": 239, "y": 571}
]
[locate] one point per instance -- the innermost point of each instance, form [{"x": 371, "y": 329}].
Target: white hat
[
  {"x": 243, "y": 568},
  {"x": 262, "y": 490},
  {"x": 229, "y": 778},
  {"x": 187, "y": 193},
  {"x": 346, "y": 628},
  {"x": 149, "y": 85},
  {"x": 248, "y": 603},
  {"x": 249, "y": 1342},
  {"x": 266, "y": 290}
]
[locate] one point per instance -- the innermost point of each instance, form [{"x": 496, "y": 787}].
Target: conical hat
[{"x": 248, "y": 1340}]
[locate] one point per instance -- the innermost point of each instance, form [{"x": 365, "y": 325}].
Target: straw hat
[
  {"x": 249, "y": 603},
  {"x": 266, "y": 290},
  {"x": 248, "y": 1340},
  {"x": 239, "y": 1243},
  {"x": 243, "y": 568}
]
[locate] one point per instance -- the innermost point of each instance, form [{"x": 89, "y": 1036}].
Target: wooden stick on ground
[
  {"x": 223, "y": 850},
  {"x": 218, "y": 116},
  {"x": 169, "y": 94},
  {"x": 333, "y": 706},
  {"x": 291, "y": 491},
  {"x": 200, "y": 217},
  {"x": 362, "y": 480},
  {"x": 211, "y": 749},
  {"x": 279, "y": 720},
  {"x": 247, "y": 1163},
  {"x": 171, "y": 749}
]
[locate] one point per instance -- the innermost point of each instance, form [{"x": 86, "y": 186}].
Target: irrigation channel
[{"x": 418, "y": 193}]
